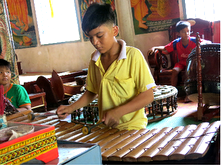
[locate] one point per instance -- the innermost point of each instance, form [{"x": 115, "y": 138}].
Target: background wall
[{"x": 75, "y": 56}]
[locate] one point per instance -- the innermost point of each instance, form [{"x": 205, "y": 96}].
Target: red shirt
[{"x": 182, "y": 51}]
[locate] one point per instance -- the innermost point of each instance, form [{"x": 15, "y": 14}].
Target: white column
[{"x": 125, "y": 21}]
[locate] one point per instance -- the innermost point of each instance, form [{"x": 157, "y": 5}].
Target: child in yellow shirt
[{"x": 117, "y": 73}]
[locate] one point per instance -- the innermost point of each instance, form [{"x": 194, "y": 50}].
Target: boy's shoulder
[
  {"x": 134, "y": 54},
  {"x": 126, "y": 47},
  {"x": 177, "y": 40},
  {"x": 193, "y": 39},
  {"x": 130, "y": 50},
  {"x": 17, "y": 86}
]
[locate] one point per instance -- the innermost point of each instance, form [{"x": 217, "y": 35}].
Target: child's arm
[
  {"x": 152, "y": 50},
  {"x": 64, "y": 110},
  {"x": 24, "y": 108},
  {"x": 111, "y": 117}
]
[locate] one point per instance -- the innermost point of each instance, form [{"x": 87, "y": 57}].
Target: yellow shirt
[{"x": 126, "y": 77}]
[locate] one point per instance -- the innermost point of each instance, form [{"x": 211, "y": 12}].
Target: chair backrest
[
  {"x": 203, "y": 27},
  {"x": 45, "y": 84},
  {"x": 57, "y": 85}
]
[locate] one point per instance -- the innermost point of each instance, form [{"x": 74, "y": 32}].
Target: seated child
[
  {"x": 184, "y": 45},
  {"x": 16, "y": 94}
]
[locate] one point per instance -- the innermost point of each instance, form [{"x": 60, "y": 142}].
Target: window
[
  {"x": 57, "y": 21},
  {"x": 203, "y": 9}
]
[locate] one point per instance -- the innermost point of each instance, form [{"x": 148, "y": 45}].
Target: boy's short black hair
[
  {"x": 96, "y": 15},
  {"x": 4, "y": 63},
  {"x": 181, "y": 25}
]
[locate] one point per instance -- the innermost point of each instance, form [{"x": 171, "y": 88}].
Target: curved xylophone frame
[
  {"x": 164, "y": 105},
  {"x": 181, "y": 143},
  {"x": 85, "y": 115}
]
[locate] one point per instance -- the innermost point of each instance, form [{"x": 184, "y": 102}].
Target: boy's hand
[
  {"x": 157, "y": 48},
  {"x": 151, "y": 51},
  {"x": 63, "y": 111},
  {"x": 111, "y": 118}
]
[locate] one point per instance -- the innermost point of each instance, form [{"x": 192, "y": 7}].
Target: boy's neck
[
  {"x": 6, "y": 86},
  {"x": 108, "y": 58},
  {"x": 114, "y": 51},
  {"x": 185, "y": 41}
]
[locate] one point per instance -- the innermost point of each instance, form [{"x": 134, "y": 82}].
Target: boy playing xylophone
[{"x": 118, "y": 73}]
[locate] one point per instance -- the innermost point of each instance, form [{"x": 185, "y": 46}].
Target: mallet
[
  {"x": 86, "y": 129},
  {"x": 32, "y": 116}
]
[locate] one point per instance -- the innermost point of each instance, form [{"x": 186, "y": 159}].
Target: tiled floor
[
  {"x": 186, "y": 109},
  {"x": 190, "y": 109}
]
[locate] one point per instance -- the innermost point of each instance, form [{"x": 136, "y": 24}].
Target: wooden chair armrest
[{"x": 158, "y": 60}]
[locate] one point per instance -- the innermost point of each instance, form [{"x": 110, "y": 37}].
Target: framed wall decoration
[
  {"x": 7, "y": 50},
  {"x": 154, "y": 15},
  {"x": 22, "y": 25}
]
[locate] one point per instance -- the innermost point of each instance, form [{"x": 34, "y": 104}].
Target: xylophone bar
[
  {"x": 158, "y": 146},
  {"x": 179, "y": 143},
  {"x": 145, "y": 146},
  {"x": 18, "y": 115},
  {"x": 185, "y": 147},
  {"x": 109, "y": 150},
  {"x": 172, "y": 145},
  {"x": 202, "y": 145}
]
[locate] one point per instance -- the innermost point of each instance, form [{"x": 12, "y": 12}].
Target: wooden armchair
[
  {"x": 163, "y": 65},
  {"x": 55, "y": 88},
  {"x": 57, "y": 85},
  {"x": 42, "y": 93},
  {"x": 46, "y": 86},
  {"x": 36, "y": 95}
]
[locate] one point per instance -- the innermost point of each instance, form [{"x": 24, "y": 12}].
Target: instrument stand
[
  {"x": 209, "y": 113},
  {"x": 203, "y": 111}
]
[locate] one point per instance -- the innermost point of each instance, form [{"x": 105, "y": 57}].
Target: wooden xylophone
[
  {"x": 182, "y": 142},
  {"x": 163, "y": 105}
]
